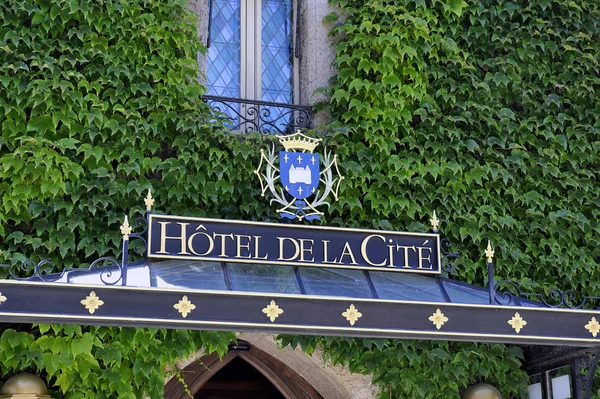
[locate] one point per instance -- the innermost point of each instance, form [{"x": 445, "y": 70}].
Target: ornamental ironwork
[
  {"x": 507, "y": 292},
  {"x": 110, "y": 271},
  {"x": 242, "y": 115}
]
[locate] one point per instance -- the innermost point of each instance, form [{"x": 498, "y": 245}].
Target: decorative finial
[
  {"x": 435, "y": 222},
  {"x": 489, "y": 252},
  {"x": 149, "y": 201},
  {"x": 126, "y": 229}
]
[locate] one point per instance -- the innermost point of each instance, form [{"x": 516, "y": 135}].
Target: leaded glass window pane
[
  {"x": 224, "y": 60},
  {"x": 243, "y": 64},
  {"x": 277, "y": 76},
  {"x": 277, "y": 59}
]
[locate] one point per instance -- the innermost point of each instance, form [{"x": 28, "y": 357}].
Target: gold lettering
[
  {"x": 164, "y": 237},
  {"x": 363, "y": 249},
  {"x": 304, "y": 249},
  {"x": 391, "y": 255},
  {"x": 421, "y": 258},
  {"x": 325, "y": 253},
  {"x": 256, "y": 250},
  {"x": 223, "y": 237},
  {"x": 211, "y": 243},
  {"x": 296, "y": 246},
  {"x": 405, "y": 248},
  {"x": 240, "y": 246},
  {"x": 347, "y": 252}
]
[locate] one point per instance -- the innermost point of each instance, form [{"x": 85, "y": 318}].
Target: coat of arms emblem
[{"x": 305, "y": 185}]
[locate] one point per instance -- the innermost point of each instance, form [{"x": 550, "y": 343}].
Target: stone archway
[
  {"x": 282, "y": 378},
  {"x": 331, "y": 382}
]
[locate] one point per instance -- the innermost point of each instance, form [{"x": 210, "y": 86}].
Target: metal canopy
[
  {"x": 202, "y": 295},
  {"x": 313, "y": 281},
  {"x": 316, "y": 300}
]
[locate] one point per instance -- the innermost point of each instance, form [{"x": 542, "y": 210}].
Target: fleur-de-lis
[
  {"x": 438, "y": 319},
  {"x": 593, "y": 327},
  {"x": 489, "y": 252},
  {"x": 2, "y": 298},
  {"x": 352, "y": 314},
  {"x": 517, "y": 322},
  {"x": 184, "y": 306},
  {"x": 149, "y": 201},
  {"x": 272, "y": 311},
  {"x": 125, "y": 229},
  {"x": 435, "y": 222},
  {"x": 92, "y": 302}
]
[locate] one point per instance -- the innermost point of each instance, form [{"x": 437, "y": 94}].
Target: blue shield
[{"x": 299, "y": 173}]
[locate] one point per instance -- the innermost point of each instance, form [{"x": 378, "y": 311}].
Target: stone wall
[
  {"x": 317, "y": 54},
  {"x": 332, "y": 382}
]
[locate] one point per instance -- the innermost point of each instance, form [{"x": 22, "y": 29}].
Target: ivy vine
[
  {"x": 485, "y": 111},
  {"x": 99, "y": 103},
  {"x": 102, "y": 362}
]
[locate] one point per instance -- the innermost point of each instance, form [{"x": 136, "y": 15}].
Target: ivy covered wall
[
  {"x": 488, "y": 112},
  {"x": 98, "y": 103},
  {"x": 485, "y": 111}
]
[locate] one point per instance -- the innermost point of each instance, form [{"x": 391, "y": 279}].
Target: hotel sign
[{"x": 175, "y": 237}]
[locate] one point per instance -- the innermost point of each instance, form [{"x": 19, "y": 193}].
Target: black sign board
[{"x": 253, "y": 242}]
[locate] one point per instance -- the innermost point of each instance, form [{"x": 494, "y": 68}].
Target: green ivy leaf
[{"x": 41, "y": 124}]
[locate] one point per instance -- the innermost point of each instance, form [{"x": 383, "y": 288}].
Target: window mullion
[
  {"x": 253, "y": 49},
  {"x": 245, "y": 52},
  {"x": 258, "y": 50},
  {"x": 296, "y": 44}
]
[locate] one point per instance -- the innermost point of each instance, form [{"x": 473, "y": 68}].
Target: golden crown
[{"x": 299, "y": 141}]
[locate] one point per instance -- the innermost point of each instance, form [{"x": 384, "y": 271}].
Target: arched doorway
[
  {"x": 245, "y": 371},
  {"x": 236, "y": 380}
]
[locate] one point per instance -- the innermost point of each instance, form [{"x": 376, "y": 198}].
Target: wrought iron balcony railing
[{"x": 262, "y": 116}]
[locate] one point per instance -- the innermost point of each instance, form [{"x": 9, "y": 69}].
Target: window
[
  {"x": 251, "y": 59},
  {"x": 251, "y": 53}
]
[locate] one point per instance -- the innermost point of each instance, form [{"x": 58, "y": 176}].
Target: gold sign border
[{"x": 434, "y": 236}]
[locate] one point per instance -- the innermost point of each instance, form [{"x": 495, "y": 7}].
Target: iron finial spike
[
  {"x": 489, "y": 252},
  {"x": 435, "y": 222},
  {"x": 126, "y": 229},
  {"x": 149, "y": 201}
]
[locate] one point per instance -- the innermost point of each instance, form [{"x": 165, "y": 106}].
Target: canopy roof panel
[{"x": 311, "y": 281}]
